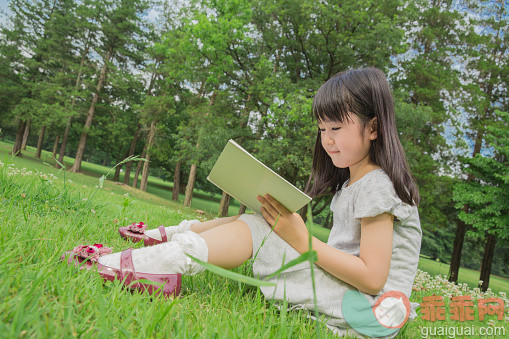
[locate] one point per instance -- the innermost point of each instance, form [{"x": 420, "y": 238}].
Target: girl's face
[{"x": 347, "y": 142}]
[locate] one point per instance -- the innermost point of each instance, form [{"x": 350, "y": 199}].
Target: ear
[{"x": 372, "y": 129}]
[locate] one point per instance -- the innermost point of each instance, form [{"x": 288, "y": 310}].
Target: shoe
[
  {"x": 167, "y": 284},
  {"x": 136, "y": 232}
]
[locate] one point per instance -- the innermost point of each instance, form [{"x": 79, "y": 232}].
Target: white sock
[
  {"x": 166, "y": 258},
  {"x": 184, "y": 226}
]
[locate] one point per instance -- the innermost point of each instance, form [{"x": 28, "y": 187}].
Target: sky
[{"x": 3, "y": 8}]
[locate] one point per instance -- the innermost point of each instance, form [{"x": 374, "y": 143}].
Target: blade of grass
[
  {"x": 306, "y": 256},
  {"x": 312, "y": 261},
  {"x": 231, "y": 275}
]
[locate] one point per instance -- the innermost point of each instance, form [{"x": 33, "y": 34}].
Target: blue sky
[{"x": 3, "y": 8}]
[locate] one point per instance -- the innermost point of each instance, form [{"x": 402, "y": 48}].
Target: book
[{"x": 244, "y": 177}]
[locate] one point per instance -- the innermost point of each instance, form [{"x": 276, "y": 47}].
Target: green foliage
[
  {"x": 207, "y": 71},
  {"x": 487, "y": 195}
]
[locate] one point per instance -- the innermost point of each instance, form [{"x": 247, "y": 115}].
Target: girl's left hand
[{"x": 289, "y": 226}]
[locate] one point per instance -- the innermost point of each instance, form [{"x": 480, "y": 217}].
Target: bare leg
[
  {"x": 207, "y": 225},
  {"x": 230, "y": 244},
  {"x": 196, "y": 228}
]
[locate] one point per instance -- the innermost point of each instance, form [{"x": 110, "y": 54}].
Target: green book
[{"x": 242, "y": 176}]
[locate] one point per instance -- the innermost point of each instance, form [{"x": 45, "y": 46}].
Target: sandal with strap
[
  {"x": 136, "y": 232},
  {"x": 167, "y": 284}
]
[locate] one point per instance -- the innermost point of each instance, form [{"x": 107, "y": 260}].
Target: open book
[{"x": 243, "y": 177}]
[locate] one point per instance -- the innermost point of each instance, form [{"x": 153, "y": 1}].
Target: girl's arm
[{"x": 368, "y": 272}]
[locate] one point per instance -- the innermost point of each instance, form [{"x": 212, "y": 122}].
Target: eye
[{"x": 336, "y": 128}]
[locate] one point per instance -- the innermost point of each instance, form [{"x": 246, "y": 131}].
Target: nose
[{"x": 327, "y": 139}]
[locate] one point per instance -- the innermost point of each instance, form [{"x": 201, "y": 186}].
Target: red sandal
[
  {"x": 136, "y": 232},
  {"x": 167, "y": 284}
]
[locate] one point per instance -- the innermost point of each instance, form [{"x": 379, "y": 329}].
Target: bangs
[{"x": 333, "y": 101}]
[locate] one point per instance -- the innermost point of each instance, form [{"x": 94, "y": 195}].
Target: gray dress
[{"x": 372, "y": 195}]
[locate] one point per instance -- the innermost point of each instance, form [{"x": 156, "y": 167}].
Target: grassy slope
[
  {"x": 41, "y": 298},
  {"x": 160, "y": 193}
]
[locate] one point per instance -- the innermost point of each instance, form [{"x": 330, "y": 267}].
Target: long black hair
[{"x": 366, "y": 93}]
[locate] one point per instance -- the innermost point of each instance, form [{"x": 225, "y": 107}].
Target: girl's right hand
[{"x": 289, "y": 226}]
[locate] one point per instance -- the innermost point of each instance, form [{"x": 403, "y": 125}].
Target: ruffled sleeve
[{"x": 376, "y": 196}]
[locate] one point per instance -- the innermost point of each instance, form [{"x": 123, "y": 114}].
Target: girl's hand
[{"x": 289, "y": 226}]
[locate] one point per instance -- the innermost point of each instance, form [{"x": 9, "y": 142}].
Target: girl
[{"x": 375, "y": 240}]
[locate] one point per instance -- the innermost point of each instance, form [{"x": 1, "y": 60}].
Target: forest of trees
[{"x": 172, "y": 81}]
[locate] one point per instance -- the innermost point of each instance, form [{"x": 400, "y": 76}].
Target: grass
[
  {"x": 157, "y": 187},
  {"x": 39, "y": 297},
  {"x": 466, "y": 275},
  {"x": 158, "y": 191},
  {"x": 43, "y": 217}
]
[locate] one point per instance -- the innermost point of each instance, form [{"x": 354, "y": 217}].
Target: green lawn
[
  {"x": 40, "y": 297},
  {"x": 160, "y": 192},
  {"x": 466, "y": 275},
  {"x": 204, "y": 201}
]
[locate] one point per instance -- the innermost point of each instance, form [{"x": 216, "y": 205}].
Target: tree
[
  {"x": 26, "y": 41},
  {"x": 86, "y": 28},
  {"x": 121, "y": 31},
  {"x": 487, "y": 193},
  {"x": 485, "y": 89}
]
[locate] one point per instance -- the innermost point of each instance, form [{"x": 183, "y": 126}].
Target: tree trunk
[
  {"x": 26, "y": 133},
  {"x": 150, "y": 140},
  {"x": 64, "y": 142},
  {"x": 76, "y": 167},
  {"x": 129, "y": 164},
  {"x": 176, "y": 182},
  {"x": 190, "y": 185},
  {"x": 454, "y": 267},
  {"x": 138, "y": 168},
  {"x": 73, "y": 103},
  {"x": 16, "y": 149},
  {"x": 329, "y": 220},
  {"x": 245, "y": 120},
  {"x": 192, "y": 174},
  {"x": 55, "y": 147},
  {"x": 39, "y": 142},
  {"x": 487, "y": 260},
  {"x": 116, "y": 176},
  {"x": 91, "y": 154},
  {"x": 303, "y": 212},
  {"x": 461, "y": 228},
  {"x": 224, "y": 205}
]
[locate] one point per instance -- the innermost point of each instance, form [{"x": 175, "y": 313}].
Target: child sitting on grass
[{"x": 374, "y": 243}]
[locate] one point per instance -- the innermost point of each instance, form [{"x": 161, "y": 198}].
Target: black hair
[{"x": 366, "y": 93}]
